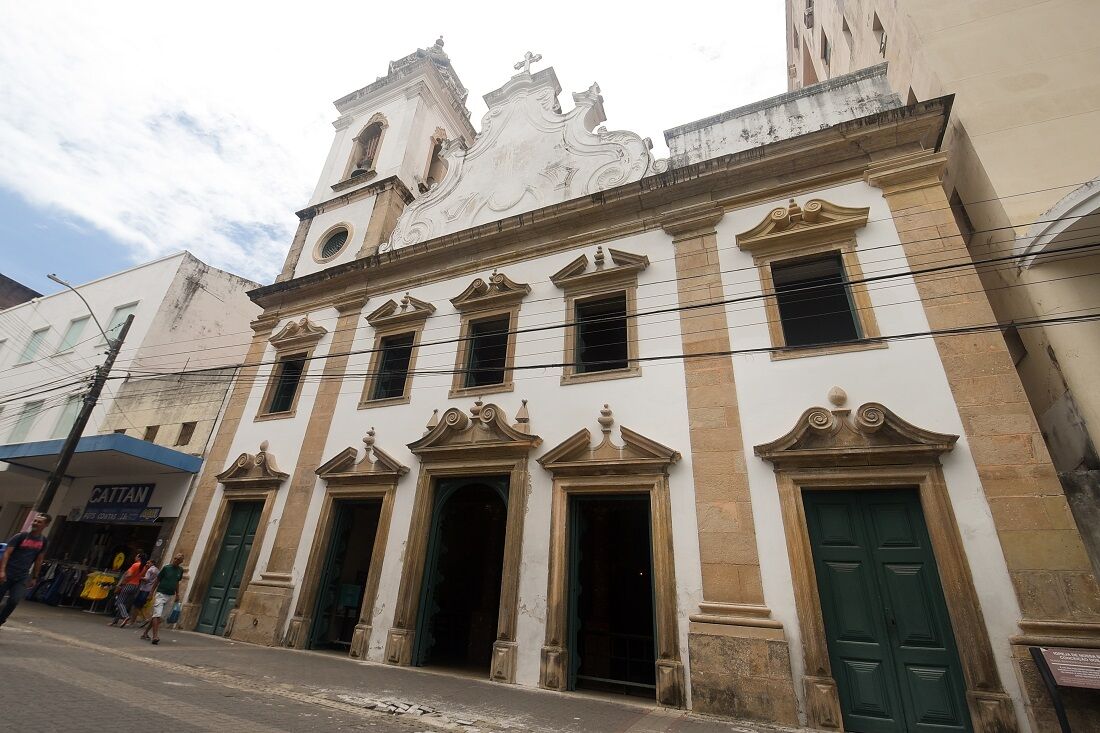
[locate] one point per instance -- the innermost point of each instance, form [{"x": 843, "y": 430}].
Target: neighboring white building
[
  {"x": 585, "y": 419},
  {"x": 145, "y": 430}
]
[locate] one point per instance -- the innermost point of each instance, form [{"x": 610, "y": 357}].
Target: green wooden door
[
  {"x": 221, "y": 596},
  {"x": 890, "y": 641}
]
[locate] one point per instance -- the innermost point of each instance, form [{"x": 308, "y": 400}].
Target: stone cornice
[
  {"x": 923, "y": 169},
  {"x": 373, "y": 189},
  {"x": 391, "y": 313}
]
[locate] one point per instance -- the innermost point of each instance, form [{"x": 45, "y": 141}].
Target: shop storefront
[{"x": 121, "y": 496}]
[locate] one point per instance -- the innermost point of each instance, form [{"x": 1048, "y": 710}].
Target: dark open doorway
[
  {"x": 611, "y": 623},
  {"x": 344, "y": 576},
  {"x": 460, "y": 598}
]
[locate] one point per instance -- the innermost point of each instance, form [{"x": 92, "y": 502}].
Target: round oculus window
[{"x": 334, "y": 244}]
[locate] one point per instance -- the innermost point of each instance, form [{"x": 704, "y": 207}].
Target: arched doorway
[{"x": 460, "y": 595}]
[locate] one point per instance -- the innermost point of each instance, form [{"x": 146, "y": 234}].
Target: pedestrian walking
[
  {"x": 145, "y": 590},
  {"x": 20, "y": 564},
  {"x": 127, "y": 589},
  {"x": 164, "y": 598}
]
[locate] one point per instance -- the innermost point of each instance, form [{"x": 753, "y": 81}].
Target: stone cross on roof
[{"x": 528, "y": 59}]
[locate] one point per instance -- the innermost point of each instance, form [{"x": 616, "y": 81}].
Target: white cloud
[{"x": 203, "y": 126}]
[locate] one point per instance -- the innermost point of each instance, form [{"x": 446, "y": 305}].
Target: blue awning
[{"x": 102, "y": 455}]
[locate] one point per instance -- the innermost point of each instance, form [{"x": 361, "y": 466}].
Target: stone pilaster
[
  {"x": 739, "y": 657},
  {"x": 265, "y": 605},
  {"x": 1046, "y": 559},
  {"x": 295, "y": 253},
  {"x": 215, "y": 462}
]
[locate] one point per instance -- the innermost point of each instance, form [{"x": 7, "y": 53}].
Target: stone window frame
[
  {"x": 794, "y": 232},
  {"x": 582, "y": 283},
  {"x": 484, "y": 299},
  {"x": 320, "y": 243},
  {"x": 297, "y": 339},
  {"x": 875, "y": 449},
  {"x": 394, "y": 319}
]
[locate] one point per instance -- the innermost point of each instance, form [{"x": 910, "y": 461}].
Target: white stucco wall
[
  {"x": 556, "y": 413},
  {"x": 907, "y": 377},
  {"x": 354, "y": 216}
]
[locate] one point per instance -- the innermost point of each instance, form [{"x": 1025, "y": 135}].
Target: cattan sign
[{"x": 120, "y": 503}]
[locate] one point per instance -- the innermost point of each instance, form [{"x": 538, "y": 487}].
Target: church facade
[{"x": 730, "y": 430}]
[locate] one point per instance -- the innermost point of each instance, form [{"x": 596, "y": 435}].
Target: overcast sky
[{"x": 135, "y": 130}]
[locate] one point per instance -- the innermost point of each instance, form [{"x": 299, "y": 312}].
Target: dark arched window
[{"x": 366, "y": 149}]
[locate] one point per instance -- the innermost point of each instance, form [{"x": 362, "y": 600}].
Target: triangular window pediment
[
  {"x": 583, "y": 273},
  {"x": 392, "y": 313}
]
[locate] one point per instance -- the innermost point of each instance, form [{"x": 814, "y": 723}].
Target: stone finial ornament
[
  {"x": 432, "y": 421},
  {"x": 523, "y": 418},
  {"x": 368, "y": 440},
  {"x": 837, "y": 397},
  {"x": 475, "y": 409},
  {"x": 598, "y": 260},
  {"x": 606, "y": 420}
]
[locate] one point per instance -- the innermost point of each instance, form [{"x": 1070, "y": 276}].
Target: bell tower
[{"x": 385, "y": 153}]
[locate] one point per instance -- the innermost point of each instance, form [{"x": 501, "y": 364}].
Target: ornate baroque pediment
[
  {"x": 638, "y": 454},
  {"x": 296, "y": 334},
  {"x": 499, "y": 289},
  {"x": 582, "y": 274},
  {"x": 792, "y": 225},
  {"x": 375, "y": 467},
  {"x": 253, "y": 471},
  {"x": 528, "y": 155},
  {"x": 874, "y": 436},
  {"x": 484, "y": 432},
  {"x": 409, "y": 310}
]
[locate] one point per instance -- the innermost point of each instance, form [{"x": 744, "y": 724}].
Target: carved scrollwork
[
  {"x": 563, "y": 156},
  {"x": 820, "y": 420},
  {"x": 870, "y": 417}
]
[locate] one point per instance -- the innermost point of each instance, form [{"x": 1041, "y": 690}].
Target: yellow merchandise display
[{"x": 97, "y": 586}]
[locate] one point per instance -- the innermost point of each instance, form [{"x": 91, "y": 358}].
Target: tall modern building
[
  {"x": 1022, "y": 177},
  {"x": 727, "y": 430}
]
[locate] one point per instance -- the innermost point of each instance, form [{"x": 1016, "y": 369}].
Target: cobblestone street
[{"x": 65, "y": 670}]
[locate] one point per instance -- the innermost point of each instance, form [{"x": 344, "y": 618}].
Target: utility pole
[{"x": 45, "y": 498}]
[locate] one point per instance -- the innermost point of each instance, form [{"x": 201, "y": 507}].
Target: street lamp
[{"x": 53, "y": 481}]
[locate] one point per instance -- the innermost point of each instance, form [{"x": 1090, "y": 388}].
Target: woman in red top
[{"x": 128, "y": 588}]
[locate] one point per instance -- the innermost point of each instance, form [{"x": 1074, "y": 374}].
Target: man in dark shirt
[
  {"x": 168, "y": 586},
  {"x": 20, "y": 563}
]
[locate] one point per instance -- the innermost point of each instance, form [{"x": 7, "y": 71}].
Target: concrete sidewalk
[{"x": 426, "y": 699}]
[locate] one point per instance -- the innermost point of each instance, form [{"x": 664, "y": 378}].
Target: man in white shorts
[{"x": 168, "y": 583}]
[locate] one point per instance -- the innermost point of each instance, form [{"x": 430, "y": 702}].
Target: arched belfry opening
[
  {"x": 367, "y": 144},
  {"x": 437, "y": 166}
]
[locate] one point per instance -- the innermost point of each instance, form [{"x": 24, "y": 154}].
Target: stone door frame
[
  {"x": 248, "y": 478},
  {"x": 401, "y": 641},
  {"x": 298, "y": 634},
  {"x": 880, "y": 451}
]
